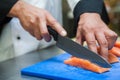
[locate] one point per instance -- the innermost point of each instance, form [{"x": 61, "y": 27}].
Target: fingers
[
  {"x": 37, "y": 21},
  {"x": 95, "y": 30},
  {"x": 37, "y": 34},
  {"x": 43, "y": 29},
  {"x": 91, "y": 41},
  {"x": 33, "y": 29},
  {"x": 55, "y": 25},
  {"x": 89, "y": 37},
  {"x": 103, "y": 43},
  {"x": 79, "y": 37},
  {"x": 111, "y": 38}
]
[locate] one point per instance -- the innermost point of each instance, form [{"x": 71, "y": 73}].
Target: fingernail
[
  {"x": 47, "y": 38},
  {"x": 63, "y": 33}
]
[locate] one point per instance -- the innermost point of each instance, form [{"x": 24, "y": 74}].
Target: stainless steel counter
[{"x": 10, "y": 69}]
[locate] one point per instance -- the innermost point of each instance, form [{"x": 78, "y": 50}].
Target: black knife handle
[{"x": 53, "y": 33}]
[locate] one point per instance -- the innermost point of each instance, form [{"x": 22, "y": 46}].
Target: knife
[{"x": 77, "y": 50}]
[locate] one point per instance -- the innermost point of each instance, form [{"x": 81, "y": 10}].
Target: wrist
[
  {"x": 15, "y": 10},
  {"x": 86, "y": 15}
]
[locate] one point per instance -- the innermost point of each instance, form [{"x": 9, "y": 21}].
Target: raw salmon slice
[
  {"x": 85, "y": 64},
  {"x": 115, "y": 51},
  {"x": 117, "y": 44},
  {"x": 112, "y": 58}
]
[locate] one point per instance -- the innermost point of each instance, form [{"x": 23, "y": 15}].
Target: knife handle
[{"x": 53, "y": 33}]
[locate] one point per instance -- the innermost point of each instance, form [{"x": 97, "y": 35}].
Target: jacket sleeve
[
  {"x": 91, "y": 6},
  {"x": 72, "y": 3},
  {"x": 5, "y": 6}
]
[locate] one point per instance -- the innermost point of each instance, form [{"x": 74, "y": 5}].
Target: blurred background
[{"x": 112, "y": 6}]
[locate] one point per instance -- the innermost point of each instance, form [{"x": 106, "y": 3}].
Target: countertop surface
[{"x": 10, "y": 69}]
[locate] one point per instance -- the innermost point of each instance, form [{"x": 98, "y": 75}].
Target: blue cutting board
[{"x": 54, "y": 68}]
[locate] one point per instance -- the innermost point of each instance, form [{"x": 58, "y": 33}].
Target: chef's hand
[
  {"x": 35, "y": 20},
  {"x": 93, "y": 30}
]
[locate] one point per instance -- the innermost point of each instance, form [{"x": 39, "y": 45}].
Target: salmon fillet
[{"x": 86, "y": 64}]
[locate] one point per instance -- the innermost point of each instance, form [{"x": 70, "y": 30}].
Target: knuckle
[
  {"x": 91, "y": 42},
  {"x": 114, "y": 35},
  {"x": 32, "y": 21},
  {"x": 44, "y": 32},
  {"x": 26, "y": 25},
  {"x": 53, "y": 22},
  {"x": 104, "y": 43},
  {"x": 40, "y": 17},
  {"x": 87, "y": 28},
  {"x": 79, "y": 28},
  {"x": 80, "y": 24}
]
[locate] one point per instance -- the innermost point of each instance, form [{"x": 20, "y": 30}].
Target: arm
[
  {"x": 84, "y": 6},
  {"x": 91, "y": 6}
]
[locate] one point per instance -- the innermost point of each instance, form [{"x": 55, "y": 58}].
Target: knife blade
[{"x": 77, "y": 50}]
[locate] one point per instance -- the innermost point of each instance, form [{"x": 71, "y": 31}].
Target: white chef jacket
[{"x": 16, "y": 41}]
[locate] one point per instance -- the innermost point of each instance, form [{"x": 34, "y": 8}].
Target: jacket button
[{"x": 18, "y": 38}]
